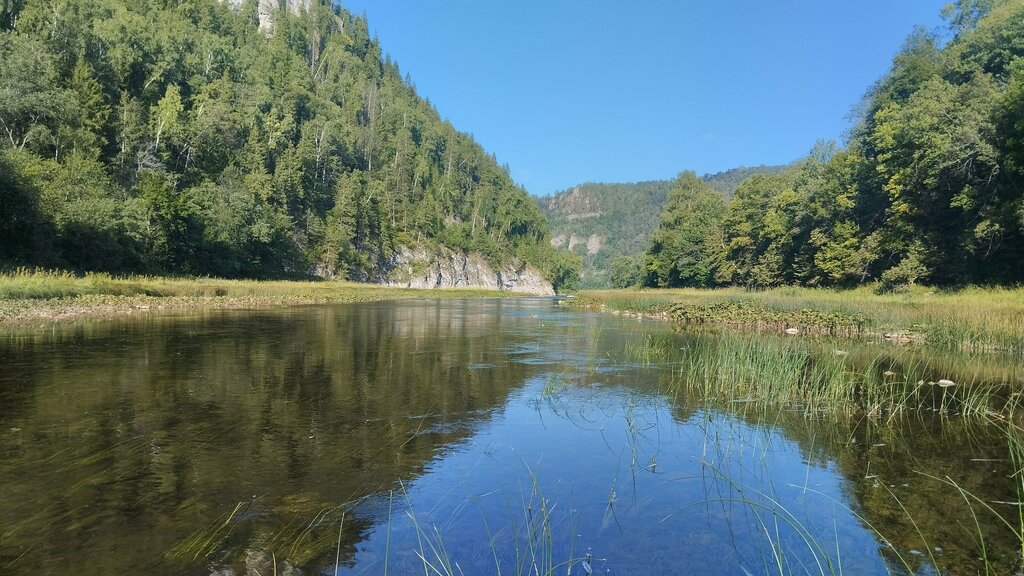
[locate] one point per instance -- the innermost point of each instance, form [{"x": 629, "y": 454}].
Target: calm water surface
[{"x": 465, "y": 437}]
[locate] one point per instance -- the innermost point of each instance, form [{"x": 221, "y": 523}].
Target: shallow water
[{"x": 473, "y": 437}]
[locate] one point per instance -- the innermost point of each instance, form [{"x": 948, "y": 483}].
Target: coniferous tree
[{"x": 176, "y": 137}]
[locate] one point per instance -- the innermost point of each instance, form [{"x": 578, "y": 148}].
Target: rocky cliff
[
  {"x": 601, "y": 222},
  {"x": 267, "y": 8},
  {"x": 446, "y": 268}
]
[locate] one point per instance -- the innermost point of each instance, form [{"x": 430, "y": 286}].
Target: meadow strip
[
  {"x": 31, "y": 297},
  {"x": 975, "y": 319}
]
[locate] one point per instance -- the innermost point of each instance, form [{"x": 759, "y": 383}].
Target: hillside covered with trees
[
  {"x": 600, "y": 222},
  {"x": 186, "y": 138},
  {"x": 929, "y": 188},
  {"x": 603, "y": 223}
]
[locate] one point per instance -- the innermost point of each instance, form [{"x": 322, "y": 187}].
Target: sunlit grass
[
  {"x": 985, "y": 319},
  {"x": 46, "y": 295},
  {"x": 829, "y": 375}
]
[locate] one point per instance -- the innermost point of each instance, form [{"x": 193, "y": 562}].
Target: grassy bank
[
  {"x": 975, "y": 319},
  {"x": 28, "y": 297}
]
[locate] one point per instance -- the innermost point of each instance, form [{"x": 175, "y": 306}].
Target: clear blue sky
[{"x": 566, "y": 92}]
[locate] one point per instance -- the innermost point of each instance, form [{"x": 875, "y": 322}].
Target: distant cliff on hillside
[
  {"x": 601, "y": 222},
  {"x": 267, "y": 8}
]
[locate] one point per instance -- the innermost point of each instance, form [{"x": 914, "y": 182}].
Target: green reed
[
  {"x": 826, "y": 375},
  {"x": 533, "y": 530}
]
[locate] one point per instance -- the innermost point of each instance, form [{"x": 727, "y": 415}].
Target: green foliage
[
  {"x": 24, "y": 230},
  {"x": 904, "y": 274},
  {"x": 927, "y": 190},
  {"x": 174, "y": 137},
  {"x": 627, "y": 271},
  {"x": 563, "y": 269},
  {"x": 764, "y": 230},
  {"x": 602, "y": 222},
  {"x": 964, "y": 15},
  {"x": 681, "y": 250},
  {"x": 32, "y": 102},
  {"x": 727, "y": 181}
]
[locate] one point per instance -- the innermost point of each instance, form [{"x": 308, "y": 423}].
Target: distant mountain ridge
[
  {"x": 602, "y": 221},
  {"x": 727, "y": 181}
]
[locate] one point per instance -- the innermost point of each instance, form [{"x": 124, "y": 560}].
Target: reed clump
[
  {"x": 828, "y": 375},
  {"x": 749, "y": 313}
]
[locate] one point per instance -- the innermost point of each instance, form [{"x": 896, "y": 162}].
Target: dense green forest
[
  {"x": 928, "y": 188},
  {"x": 610, "y": 225},
  {"x": 179, "y": 137}
]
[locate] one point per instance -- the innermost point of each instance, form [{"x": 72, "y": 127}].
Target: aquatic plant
[{"x": 826, "y": 375}]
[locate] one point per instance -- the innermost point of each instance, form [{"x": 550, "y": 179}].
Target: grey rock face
[
  {"x": 267, "y": 9},
  {"x": 445, "y": 268}
]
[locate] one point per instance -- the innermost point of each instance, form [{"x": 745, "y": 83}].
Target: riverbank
[
  {"x": 973, "y": 319},
  {"x": 43, "y": 297}
]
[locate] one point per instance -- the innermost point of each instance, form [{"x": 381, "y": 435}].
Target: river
[{"x": 512, "y": 436}]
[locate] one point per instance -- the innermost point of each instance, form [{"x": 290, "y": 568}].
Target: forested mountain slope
[
  {"x": 602, "y": 222},
  {"x": 199, "y": 137},
  {"x": 930, "y": 187}
]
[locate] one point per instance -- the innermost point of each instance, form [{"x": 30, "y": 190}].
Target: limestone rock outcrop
[
  {"x": 268, "y": 8},
  {"x": 446, "y": 268}
]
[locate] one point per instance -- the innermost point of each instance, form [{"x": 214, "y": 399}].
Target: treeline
[
  {"x": 727, "y": 181},
  {"x": 928, "y": 188},
  {"x": 176, "y": 137}
]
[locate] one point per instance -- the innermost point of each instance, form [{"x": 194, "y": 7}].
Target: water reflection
[
  {"x": 123, "y": 440},
  {"x": 448, "y": 436}
]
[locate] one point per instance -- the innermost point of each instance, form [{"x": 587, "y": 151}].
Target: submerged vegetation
[
  {"x": 470, "y": 437},
  {"x": 824, "y": 378},
  {"x": 822, "y": 351}
]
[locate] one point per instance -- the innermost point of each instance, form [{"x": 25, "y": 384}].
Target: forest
[
  {"x": 927, "y": 189},
  {"x": 180, "y": 137},
  {"x": 602, "y": 222}
]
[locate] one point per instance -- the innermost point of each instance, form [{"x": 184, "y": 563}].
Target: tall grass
[
  {"x": 817, "y": 376},
  {"x": 981, "y": 319},
  {"x": 41, "y": 284}
]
